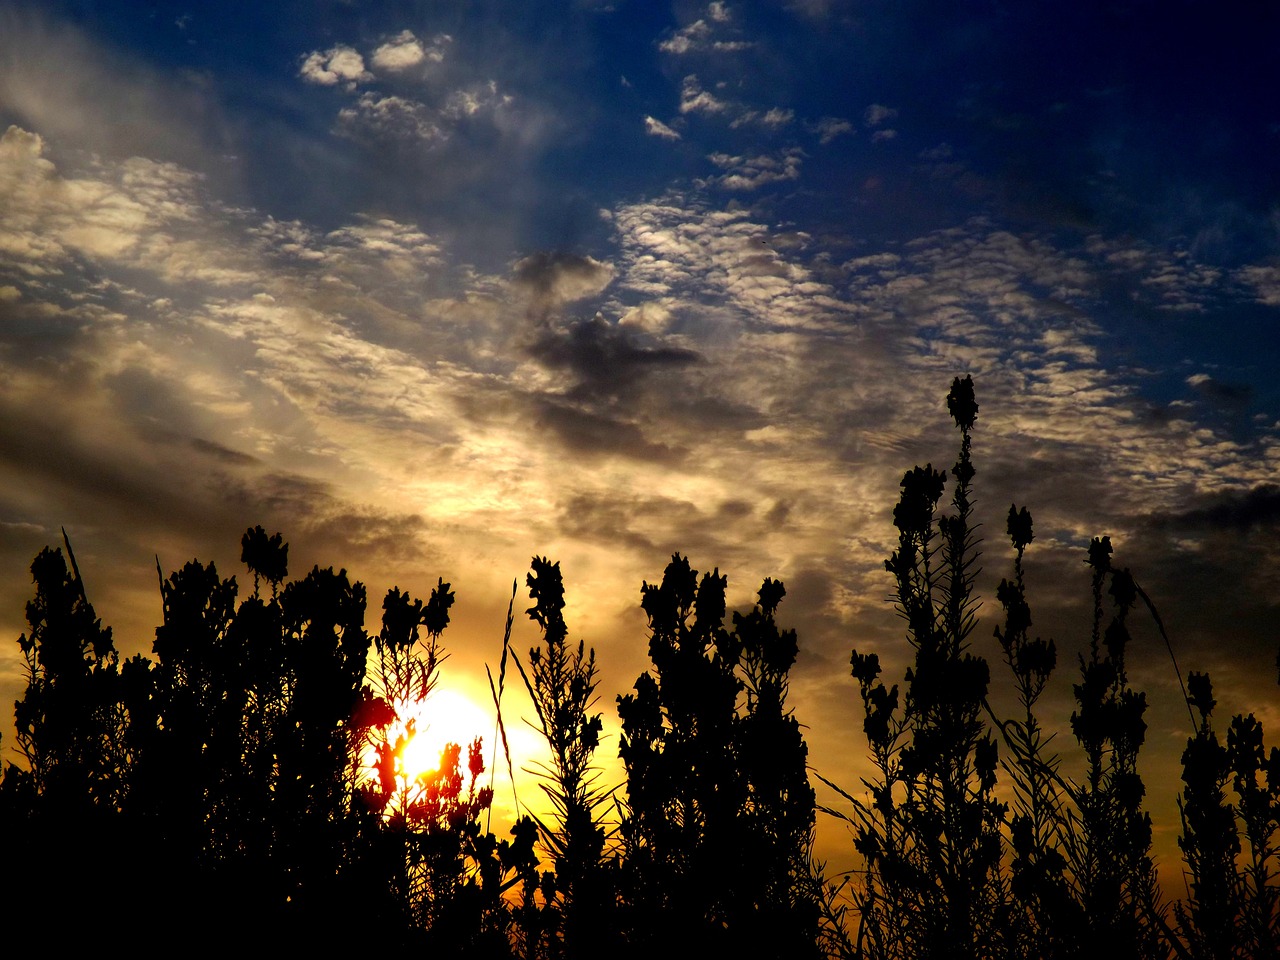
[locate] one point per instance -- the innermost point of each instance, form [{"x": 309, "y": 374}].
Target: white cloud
[
  {"x": 656, "y": 128},
  {"x": 1265, "y": 281},
  {"x": 336, "y": 65},
  {"x": 697, "y": 36},
  {"x": 693, "y": 99},
  {"x": 654, "y": 316},
  {"x": 752, "y": 173},
  {"x": 480, "y": 97},
  {"x": 401, "y": 52},
  {"x": 774, "y": 118},
  {"x": 391, "y": 116},
  {"x": 686, "y": 39}
]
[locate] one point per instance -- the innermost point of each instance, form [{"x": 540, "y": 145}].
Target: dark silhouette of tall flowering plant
[
  {"x": 1231, "y": 850},
  {"x": 561, "y": 682},
  {"x": 929, "y": 827},
  {"x": 1046, "y": 918},
  {"x": 1110, "y": 838}
]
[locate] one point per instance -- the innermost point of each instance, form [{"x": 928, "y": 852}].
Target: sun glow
[
  {"x": 444, "y": 717},
  {"x": 399, "y": 762}
]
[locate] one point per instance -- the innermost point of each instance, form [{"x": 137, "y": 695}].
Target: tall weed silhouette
[
  {"x": 1062, "y": 867},
  {"x": 561, "y": 681}
]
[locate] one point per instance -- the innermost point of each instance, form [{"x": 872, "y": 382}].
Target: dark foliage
[
  {"x": 1063, "y": 867},
  {"x": 245, "y": 785},
  {"x": 719, "y": 808}
]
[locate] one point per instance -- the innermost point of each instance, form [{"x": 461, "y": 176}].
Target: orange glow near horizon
[
  {"x": 446, "y": 716},
  {"x": 449, "y": 715}
]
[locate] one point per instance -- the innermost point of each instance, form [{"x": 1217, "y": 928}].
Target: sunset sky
[{"x": 434, "y": 287}]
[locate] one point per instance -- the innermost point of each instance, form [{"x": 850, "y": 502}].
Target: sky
[{"x": 433, "y": 287}]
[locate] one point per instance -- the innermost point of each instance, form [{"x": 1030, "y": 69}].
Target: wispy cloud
[
  {"x": 656, "y": 128},
  {"x": 701, "y": 35},
  {"x": 752, "y": 173},
  {"x": 829, "y": 128},
  {"x": 693, "y": 99}
]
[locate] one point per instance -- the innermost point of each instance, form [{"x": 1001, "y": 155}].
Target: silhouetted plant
[
  {"x": 1210, "y": 842},
  {"x": 70, "y": 728},
  {"x": 1109, "y": 844},
  {"x": 1065, "y": 869},
  {"x": 719, "y": 809},
  {"x": 1233, "y": 904},
  {"x": 934, "y": 884},
  {"x": 1255, "y": 777},
  {"x": 253, "y": 771},
  {"x": 561, "y": 682},
  {"x": 1046, "y": 918}
]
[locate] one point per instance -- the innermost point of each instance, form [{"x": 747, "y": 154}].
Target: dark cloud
[
  {"x": 550, "y": 280},
  {"x": 653, "y": 525},
  {"x": 611, "y": 521},
  {"x": 604, "y": 358},
  {"x": 1238, "y": 511},
  {"x": 594, "y": 434},
  {"x": 1220, "y": 393},
  {"x": 219, "y": 452}
]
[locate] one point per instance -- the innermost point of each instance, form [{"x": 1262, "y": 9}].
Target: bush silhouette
[
  {"x": 719, "y": 809},
  {"x": 246, "y": 778}
]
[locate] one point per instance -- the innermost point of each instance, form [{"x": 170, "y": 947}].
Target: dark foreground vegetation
[{"x": 241, "y": 786}]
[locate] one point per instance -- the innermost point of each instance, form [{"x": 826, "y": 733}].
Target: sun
[
  {"x": 445, "y": 716},
  {"x": 418, "y": 735}
]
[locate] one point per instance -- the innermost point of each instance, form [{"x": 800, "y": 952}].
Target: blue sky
[{"x": 433, "y": 287}]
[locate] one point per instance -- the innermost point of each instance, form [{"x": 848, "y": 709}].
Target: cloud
[
  {"x": 338, "y": 64},
  {"x": 1234, "y": 510},
  {"x": 389, "y": 117},
  {"x": 1172, "y": 281},
  {"x": 404, "y": 51},
  {"x": 54, "y": 80},
  {"x": 1232, "y": 396},
  {"x": 477, "y": 98},
  {"x": 606, "y": 359},
  {"x": 877, "y": 114},
  {"x": 774, "y": 118},
  {"x": 1265, "y": 280},
  {"x": 752, "y": 173},
  {"x": 552, "y": 279},
  {"x": 384, "y": 115},
  {"x": 698, "y": 36},
  {"x": 687, "y": 39},
  {"x": 693, "y": 99},
  {"x": 596, "y": 435},
  {"x": 656, "y": 128},
  {"x": 829, "y": 128}
]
